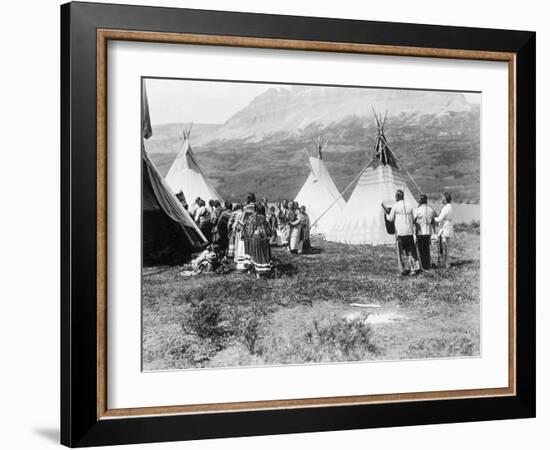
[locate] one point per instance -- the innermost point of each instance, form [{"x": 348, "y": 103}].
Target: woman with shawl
[
  {"x": 220, "y": 232},
  {"x": 282, "y": 219},
  {"x": 231, "y": 225},
  {"x": 241, "y": 245},
  {"x": 257, "y": 233},
  {"x": 294, "y": 226},
  {"x": 273, "y": 224},
  {"x": 304, "y": 243}
]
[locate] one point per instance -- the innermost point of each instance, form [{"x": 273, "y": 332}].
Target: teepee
[
  {"x": 169, "y": 234},
  {"x": 186, "y": 176},
  {"x": 319, "y": 194},
  {"x": 362, "y": 221}
]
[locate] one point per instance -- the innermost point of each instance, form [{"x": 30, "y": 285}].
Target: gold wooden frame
[{"x": 103, "y": 36}]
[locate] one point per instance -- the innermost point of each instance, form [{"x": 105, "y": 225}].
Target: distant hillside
[
  {"x": 263, "y": 147},
  {"x": 167, "y": 137}
]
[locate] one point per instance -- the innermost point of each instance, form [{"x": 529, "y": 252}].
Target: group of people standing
[
  {"x": 245, "y": 232},
  {"x": 422, "y": 223},
  {"x": 292, "y": 224}
]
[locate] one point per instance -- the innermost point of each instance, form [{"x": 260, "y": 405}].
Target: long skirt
[
  {"x": 231, "y": 246},
  {"x": 294, "y": 238},
  {"x": 241, "y": 256},
  {"x": 220, "y": 239},
  {"x": 260, "y": 254},
  {"x": 307, "y": 240},
  {"x": 206, "y": 230},
  {"x": 246, "y": 243},
  {"x": 303, "y": 243}
]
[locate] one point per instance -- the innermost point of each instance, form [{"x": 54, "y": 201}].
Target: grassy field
[{"x": 304, "y": 313}]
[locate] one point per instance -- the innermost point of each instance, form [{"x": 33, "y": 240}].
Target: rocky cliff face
[{"x": 296, "y": 109}]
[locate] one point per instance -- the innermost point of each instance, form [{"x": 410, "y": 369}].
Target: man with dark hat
[
  {"x": 425, "y": 225},
  {"x": 401, "y": 214}
]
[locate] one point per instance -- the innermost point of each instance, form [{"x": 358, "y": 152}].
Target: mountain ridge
[{"x": 263, "y": 147}]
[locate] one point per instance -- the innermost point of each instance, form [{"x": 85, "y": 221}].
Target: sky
[{"x": 185, "y": 101}]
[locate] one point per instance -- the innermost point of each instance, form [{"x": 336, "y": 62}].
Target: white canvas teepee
[
  {"x": 362, "y": 221},
  {"x": 320, "y": 195},
  {"x": 186, "y": 176}
]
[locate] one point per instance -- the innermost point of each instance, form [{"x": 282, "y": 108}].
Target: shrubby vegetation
[
  {"x": 472, "y": 227},
  {"x": 303, "y": 313}
]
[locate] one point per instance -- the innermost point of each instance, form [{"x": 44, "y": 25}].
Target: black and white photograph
[
  {"x": 299, "y": 224},
  {"x": 276, "y": 224}
]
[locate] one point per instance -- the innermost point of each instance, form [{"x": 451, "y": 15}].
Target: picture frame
[{"x": 86, "y": 418}]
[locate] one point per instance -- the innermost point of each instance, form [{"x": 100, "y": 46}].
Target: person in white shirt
[
  {"x": 425, "y": 225},
  {"x": 446, "y": 229},
  {"x": 199, "y": 210},
  {"x": 401, "y": 214},
  {"x": 194, "y": 206}
]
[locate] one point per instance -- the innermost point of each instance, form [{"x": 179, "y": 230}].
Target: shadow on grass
[
  {"x": 463, "y": 262},
  {"x": 313, "y": 251},
  {"x": 284, "y": 268}
]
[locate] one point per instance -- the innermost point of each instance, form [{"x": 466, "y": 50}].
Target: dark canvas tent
[{"x": 169, "y": 234}]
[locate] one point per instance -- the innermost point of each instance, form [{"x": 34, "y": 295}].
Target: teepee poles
[
  {"x": 319, "y": 145},
  {"x": 357, "y": 176},
  {"x": 382, "y": 138},
  {"x": 186, "y": 131},
  {"x": 402, "y": 165}
]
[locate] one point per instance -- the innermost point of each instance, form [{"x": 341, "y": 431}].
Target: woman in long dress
[
  {"x": 202, "y": 218},
  {"x": 305, "y": 243},
  {"x": 257, "y": 233},
  {"x": 282, "y": 219},
  {"x": 231, "y": 225},
  {"x": 273, "y": 224},
  {"x": 446, "y": 228},
  {"x": 294, "y": 226},
  {"x": 220, "y": 231},
  {"x": 241, "y": 245}
]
